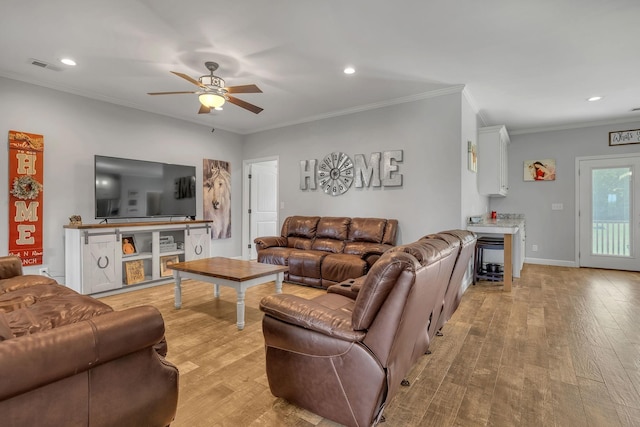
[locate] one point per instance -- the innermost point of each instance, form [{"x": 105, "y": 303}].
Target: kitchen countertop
[{"x": 504, "y": 224}]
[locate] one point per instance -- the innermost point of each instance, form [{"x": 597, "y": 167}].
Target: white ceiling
[{"x": 526, "y": 64}]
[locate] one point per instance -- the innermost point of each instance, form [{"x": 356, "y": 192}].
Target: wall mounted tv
[{"x": 127, "y": 188}]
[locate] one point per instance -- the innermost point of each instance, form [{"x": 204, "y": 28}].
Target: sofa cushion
[
  {"x": 302, "y": 226},
  {"x": 361, "y": 248},
  {"x": 306, "y": 263},
  {"x": 19, "y": 282},
  {"x": 328, "y": 245},
  {"x": 336, "y": 267},
  {"x": 333, "y": 228},
  {"x": 379, "y": 282},
  {"x": 10, "y": 266},
  {"x": 54, "y": 311},
  {"x": 367, "y": 229},
  {"x": 275, "y": 255},
  {"x": 5, "y": 329},
  {"x": 301, "y": 243},
  {"x": 25, "y": 297}
]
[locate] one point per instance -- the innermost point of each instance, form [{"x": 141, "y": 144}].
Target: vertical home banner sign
[{"x": 26, "y": 171}]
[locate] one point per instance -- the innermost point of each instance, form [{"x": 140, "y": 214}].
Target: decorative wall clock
[{"x": 335, "y": 173}]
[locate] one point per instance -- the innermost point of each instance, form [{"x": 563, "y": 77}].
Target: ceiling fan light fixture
[{"x": 212, "y": 100}]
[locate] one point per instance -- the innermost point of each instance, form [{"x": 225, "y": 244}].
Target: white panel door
[
  {"x": 609, "y": 215},
  {"x": 263, "y": 220}
]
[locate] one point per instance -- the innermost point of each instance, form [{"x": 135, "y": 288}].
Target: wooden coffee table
[{"x": 235, "y": 273}]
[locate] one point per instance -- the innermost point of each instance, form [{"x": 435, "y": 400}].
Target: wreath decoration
[{"x": 26, "y": 188}]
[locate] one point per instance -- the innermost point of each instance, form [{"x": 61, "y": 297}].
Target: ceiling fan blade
[
  {"x": 188, "y": 78},
  {"x": 244, "y": 104},
  {"x": 244, "y": 89},
  {"x": 204, "y": 109},
  {"x": 167, "y": 93}
]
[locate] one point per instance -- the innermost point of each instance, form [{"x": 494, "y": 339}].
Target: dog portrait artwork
[{"x": 216, "y": 191}]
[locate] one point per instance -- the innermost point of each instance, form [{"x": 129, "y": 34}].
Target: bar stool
[{"x": 479, "y": 271}]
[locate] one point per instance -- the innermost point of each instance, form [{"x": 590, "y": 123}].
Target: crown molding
[
  {"x": 576, "y": 125},
  {"x": 411, "y": 98}
]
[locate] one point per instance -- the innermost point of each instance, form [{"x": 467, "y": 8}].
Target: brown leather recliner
[
  {"x": 465, "y": 242},
  {"x": 344, "y": 359},
  {"x": 454, "y": 291}
]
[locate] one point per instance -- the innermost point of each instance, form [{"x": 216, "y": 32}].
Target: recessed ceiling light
[
  {"x": 68, "y": 61},
  {"x": 349, "y": 70},
  {"x": 594, "y": 98}
]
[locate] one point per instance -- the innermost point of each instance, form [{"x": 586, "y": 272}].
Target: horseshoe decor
[{"x": 100, "y": 264}]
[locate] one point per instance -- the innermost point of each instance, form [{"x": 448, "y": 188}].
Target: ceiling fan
[{"x": 213, "y": 93}]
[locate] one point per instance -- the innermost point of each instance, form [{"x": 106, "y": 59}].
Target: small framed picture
[
  {"x": 134, "y": 272},
  {"x": 540, "y": 170},
  {"x": 472, "y": 156},
  {"x": 165, "y": 262},
  {"x": 128, "y": 246}
]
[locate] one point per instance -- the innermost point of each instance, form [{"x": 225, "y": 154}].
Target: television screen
[{"x": 127, "y": 188}]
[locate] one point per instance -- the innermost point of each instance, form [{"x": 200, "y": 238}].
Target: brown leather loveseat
[
  {"x": 345, "y": 358},
  {"x": 323, "y": 251},
  {"x": 69, "y": 360}
]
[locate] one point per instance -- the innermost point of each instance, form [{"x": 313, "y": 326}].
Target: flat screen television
[{"x": 127, "y": 188}]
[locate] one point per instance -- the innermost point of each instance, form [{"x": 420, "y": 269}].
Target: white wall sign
[{"x": 624, "y": 137}]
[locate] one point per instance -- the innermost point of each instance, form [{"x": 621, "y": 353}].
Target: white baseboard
[{"x": 556, "y": 262}]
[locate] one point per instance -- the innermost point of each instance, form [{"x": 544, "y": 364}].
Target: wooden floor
[{"x": 562, "y": 349}]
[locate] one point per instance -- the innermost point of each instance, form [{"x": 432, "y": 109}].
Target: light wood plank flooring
[{"x": 562, "y": 349}]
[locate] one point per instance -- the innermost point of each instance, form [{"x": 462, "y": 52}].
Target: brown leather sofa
[
  {"x": 69, "y": 360},
  {"x": 344, "y": 358},
  {"x": 323, "y": 251}
]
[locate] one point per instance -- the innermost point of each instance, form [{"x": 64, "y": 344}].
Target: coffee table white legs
[
  {"x": 177, "y": 303},
  {"x": 240, "y": 309},
  {"x": 240, "y": 288}
]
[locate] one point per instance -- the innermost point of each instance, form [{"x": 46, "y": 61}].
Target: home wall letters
[{"x": 336, "y": 172}]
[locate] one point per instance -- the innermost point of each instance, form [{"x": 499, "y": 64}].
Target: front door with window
[{"x": 609, "y": 212}]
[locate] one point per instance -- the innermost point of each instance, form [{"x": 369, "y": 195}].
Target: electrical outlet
[
  {"x": 557, "y": 206},
  {"x": 44, "y": 271},
  {"x": 534, "y": 248}
]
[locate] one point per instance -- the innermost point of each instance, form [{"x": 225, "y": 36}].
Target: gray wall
[
  {"x": 429, "y": 133},
  {"x": 438, "y": 191},
  {"x": 75, "y": 129},
  {"x": 473, "y": 203},
  {"x": 553, "y": 231}
]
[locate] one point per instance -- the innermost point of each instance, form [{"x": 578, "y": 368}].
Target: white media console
[{"x": 96, "y": 261}]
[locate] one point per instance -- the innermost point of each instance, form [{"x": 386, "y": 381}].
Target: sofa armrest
[
  {"x": 10, "y": 266},
  {"x": 42, "y": 358},
  {"x": 373, "y": 252},
  {"x": 311, "y": 315},
  {"x": 270, "y": 241}
]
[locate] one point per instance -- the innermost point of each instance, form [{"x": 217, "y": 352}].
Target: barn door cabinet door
[
  {"x": 101, "y": 264},
  {"x": 197, "y": 243}
]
